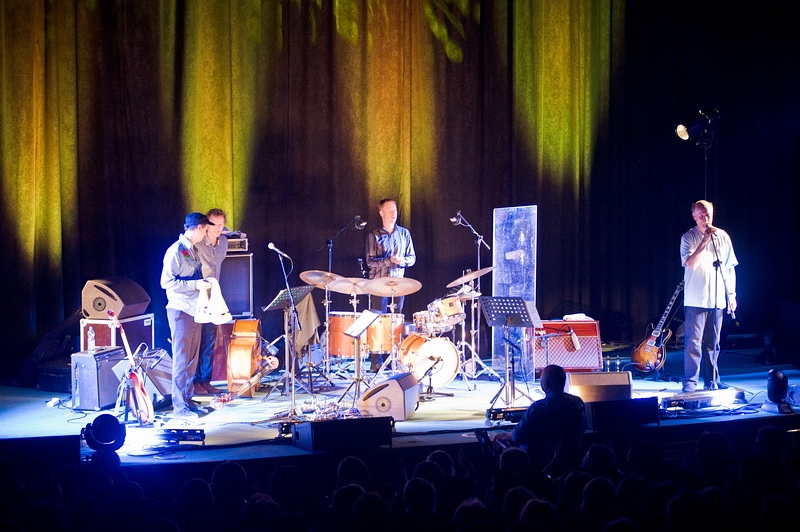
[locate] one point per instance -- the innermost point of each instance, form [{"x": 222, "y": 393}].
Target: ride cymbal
[
  {"x": 470, "y": 276},
  {"x": 392, "y": 286}
]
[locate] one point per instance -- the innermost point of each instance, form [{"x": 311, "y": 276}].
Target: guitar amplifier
[
  {"x": 94, "y": 384},
  {"x": 553, "y": 344}
]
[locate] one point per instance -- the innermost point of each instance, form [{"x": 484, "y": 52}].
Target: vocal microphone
[
  {"x": 360, "y": 224},
  {"x": 575, "y": 343},
  {"x": 710, "y": 229},
  {"x": 456, "y": 220},
  {"x": 279, "y": 252}
]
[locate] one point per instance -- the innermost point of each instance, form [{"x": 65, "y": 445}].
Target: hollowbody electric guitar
[
  {"x": 650, "y": 354},
  {"x": 137, "y": 399}
]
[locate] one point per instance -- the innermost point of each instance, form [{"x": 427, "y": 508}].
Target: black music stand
[
  {"x": 507, "y": 312},
  {"x": 287, "y": 300},
  {"x": 355, "y": 331}
]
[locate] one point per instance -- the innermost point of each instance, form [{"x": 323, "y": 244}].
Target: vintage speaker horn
[{"x": 123, "y": 296}]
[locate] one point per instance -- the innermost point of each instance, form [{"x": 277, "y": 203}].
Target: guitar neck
[{"x": 663, "y": 319}]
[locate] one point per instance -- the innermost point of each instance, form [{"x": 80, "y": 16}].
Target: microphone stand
[
  {"x": 718, "y": 316},
  {"x": 327, "y": 302},
  {"x": 294, "y": 325},
  {"x": 475, "y": 327}
]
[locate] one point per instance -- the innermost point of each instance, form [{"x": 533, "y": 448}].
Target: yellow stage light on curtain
[{"x": 561, "y": 76}]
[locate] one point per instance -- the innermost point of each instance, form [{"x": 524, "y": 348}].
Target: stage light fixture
[
  {"x": 700, "y": 129},
  {"x": 777, "y": 390},
  {"x": 105, "y": 434}
]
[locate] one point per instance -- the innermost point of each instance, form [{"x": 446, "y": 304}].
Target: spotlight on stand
[
  {"x": 105, "y": 435},
  {"x": 700, "y": 130},
  {"x": 777, "y": 390}
]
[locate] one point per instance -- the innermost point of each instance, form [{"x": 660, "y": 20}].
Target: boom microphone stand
[{"x": 459, "y": 219}]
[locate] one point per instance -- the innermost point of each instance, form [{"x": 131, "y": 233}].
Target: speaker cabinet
[
  {"x": 601, "y": 386},
  {"x": 139, "y": 330},
  {"x": 236, "y": 284},
  {"x": 123, "y": 296},
  {"x": 552, "y": 344},
  {"x": 94, "y": 384},
  {"x": 344, "y": 435},
  {"x": 397, "y": 396},
  {"x": 622, "y": 414}
]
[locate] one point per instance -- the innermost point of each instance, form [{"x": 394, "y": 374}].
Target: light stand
[{"x": 701, "y": 131}]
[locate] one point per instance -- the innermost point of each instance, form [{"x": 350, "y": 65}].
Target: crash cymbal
[
  {"x": 470, "y": 276},
  {"x": 348, "y": 285},
  {"x": 392, "y": 286},
  {"x": 319, "y": 278}
]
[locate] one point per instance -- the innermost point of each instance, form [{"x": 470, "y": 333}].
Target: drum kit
[{"x": 431, "y": 357}]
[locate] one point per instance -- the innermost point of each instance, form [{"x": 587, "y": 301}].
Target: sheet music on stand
[
  {"x": 282, "y": 300},
  {"x": 361, "y": 324},
  {"x": 510, "y": 312}
]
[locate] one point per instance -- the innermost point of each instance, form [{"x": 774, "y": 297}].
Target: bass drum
[{"x": 430, "y": 358}]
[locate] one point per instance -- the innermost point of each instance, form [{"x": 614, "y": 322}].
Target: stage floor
[{"x": 253, "y": 428}]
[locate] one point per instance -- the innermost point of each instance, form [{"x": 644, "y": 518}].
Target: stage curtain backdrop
[{"x": 119, "y": 117}]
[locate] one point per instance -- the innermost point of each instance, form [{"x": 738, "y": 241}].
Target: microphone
[
  {"x": 279, "y": 252},
  {"x": 710, "y": 229},
  {"x": 575, "y": 343},
  {"x": 360, "y": 224},
  {"x": 456, "y": 220}
]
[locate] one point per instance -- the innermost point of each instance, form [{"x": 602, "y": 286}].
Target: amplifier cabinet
[
  {"x": 552, "y": 344},
  {"x": 94, "y": 383},
  {"x": 138, "y": 329}
]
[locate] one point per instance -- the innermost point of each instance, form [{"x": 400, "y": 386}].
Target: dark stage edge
[{"x": 31, "y": 444}]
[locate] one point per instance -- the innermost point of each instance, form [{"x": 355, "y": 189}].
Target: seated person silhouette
[{"x": 552, "y": 428}]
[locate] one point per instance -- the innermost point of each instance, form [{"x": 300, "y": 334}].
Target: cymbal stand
[{"x": 473, "y": 361}]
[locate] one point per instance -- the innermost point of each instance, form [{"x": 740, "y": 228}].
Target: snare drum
[
  {"x": 339, "y": 344},
  {"x": 379, "y": 334},
  {"x": 422, "y": 353},
  {"x": 448, "y": 311}
]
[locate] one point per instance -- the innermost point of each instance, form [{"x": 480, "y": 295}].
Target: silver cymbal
[
  {"x": 470, "y": 276},
  {"x": 319, "y": 278},
  {"x": 392, "y": 286},
  {"x": 349, "y": 285}
]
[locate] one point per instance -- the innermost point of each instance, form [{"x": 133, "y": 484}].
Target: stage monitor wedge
[{"x": 123, "y": 296}]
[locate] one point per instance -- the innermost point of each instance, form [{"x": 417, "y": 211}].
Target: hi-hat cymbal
[
  {"x": 470, "y": 276},
  {"x": 319, "y": 278},
  {"x": 392, "y": 286},
  {"x": 348, "y": 285}
]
